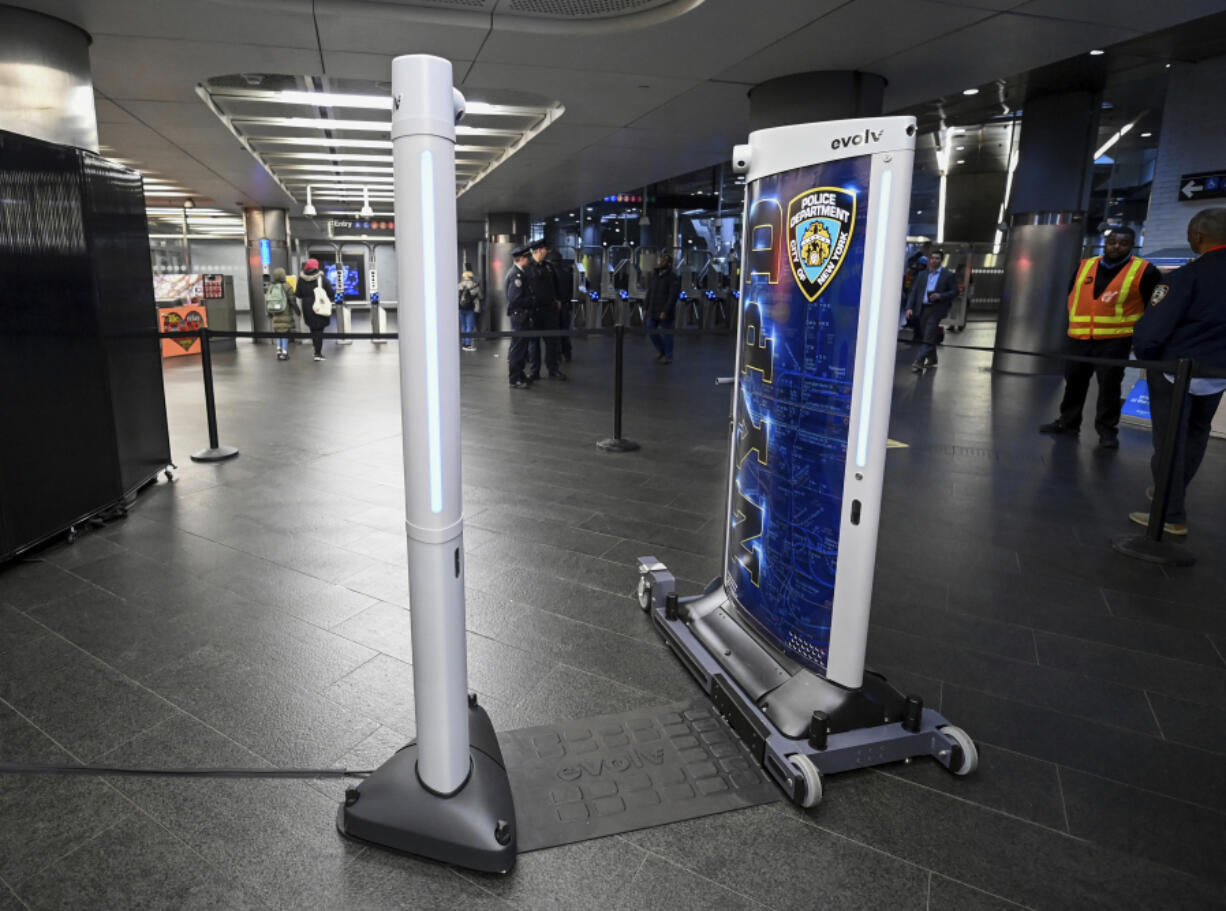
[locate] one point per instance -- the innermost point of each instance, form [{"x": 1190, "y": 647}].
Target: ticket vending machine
[{"x": 778, "y": 641}]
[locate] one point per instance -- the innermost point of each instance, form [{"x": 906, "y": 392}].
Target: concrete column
[
  {"x": 1189, "y": 142},
  {"x": 811, "y": 97},
  {"x": 45, "y": 86},
  {"x": 1047, "y": 215},
  {"x": 264, "y": 225},
  {"x": 504, "y": 231}
]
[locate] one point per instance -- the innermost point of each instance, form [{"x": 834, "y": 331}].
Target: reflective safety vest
[{"x": 1115, "y": 313}]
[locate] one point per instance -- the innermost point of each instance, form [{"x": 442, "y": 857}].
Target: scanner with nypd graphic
[{"x": 778, "y": 640}]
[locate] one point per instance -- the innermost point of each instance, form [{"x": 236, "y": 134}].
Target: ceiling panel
[
  {"x": 951, "y": 63},
  {"x": 1139, "y": 15},
  {"x": 847, "y": 36}
]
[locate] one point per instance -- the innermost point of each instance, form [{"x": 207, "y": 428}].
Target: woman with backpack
[
  {"x": 282, "y": 306},
  {"x": 470, "y": 306},
  {"x": 315, "y": 295}
]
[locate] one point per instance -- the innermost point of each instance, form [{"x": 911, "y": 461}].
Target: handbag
[{"x": 323, "y": 304}]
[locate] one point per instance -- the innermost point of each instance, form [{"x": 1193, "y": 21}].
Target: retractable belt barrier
[{"x": 1150, "y": 547}]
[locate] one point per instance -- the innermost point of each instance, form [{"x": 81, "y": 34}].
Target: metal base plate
[
  {"x": 617, "y": 444},
  {"x": 1165, "y": 553},
  {"x": 633, "y": 770},
  {"x": 218, "y": 454}
]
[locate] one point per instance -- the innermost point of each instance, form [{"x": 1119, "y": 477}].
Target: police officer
[
  {"x": 1186, "y": 318},
  {"x": 519, "y": 310},
  {"x": 546, "y": 312}
]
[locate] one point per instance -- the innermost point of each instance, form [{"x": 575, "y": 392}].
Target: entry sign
[
  {"x": 1205, "y": 185},
  {"x": 822, "y": 268}
]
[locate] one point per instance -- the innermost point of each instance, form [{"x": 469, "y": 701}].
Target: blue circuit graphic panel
[{"x": 799, "y": 320}]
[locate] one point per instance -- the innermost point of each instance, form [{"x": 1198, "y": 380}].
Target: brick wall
[{"x": 1192, "y": 139}]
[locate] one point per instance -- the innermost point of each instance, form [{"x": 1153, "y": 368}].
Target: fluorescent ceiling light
[
  {"x": 333, "y": 143},
  {"x": 327, "y": 156},
  {"x": 357, "y": 126},
  {"x": 364, "y": 102},
  {"x": 340, "y": 178},
  {"x": 970, "y": 91},
  {"x": 1116, "y": 137},
  {"x": 1097, "y": 52},
  {"x": 357, "y": 169}
]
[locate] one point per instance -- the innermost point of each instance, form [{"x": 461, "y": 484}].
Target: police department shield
[{"x": 820, "y": 224}]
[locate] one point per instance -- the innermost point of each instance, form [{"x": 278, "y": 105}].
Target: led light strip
[
  {"x": 430, "y": 303},
  {"x": 874, "y": 320}
]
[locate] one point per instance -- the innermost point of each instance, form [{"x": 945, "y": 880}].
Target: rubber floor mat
[{"x": 633, "y": 770}]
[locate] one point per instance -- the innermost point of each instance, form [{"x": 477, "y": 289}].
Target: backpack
[
  {"x": 322, "y": 305},
  {"x": 275, "y": 299},
  {"x": 466, "y": 299}
]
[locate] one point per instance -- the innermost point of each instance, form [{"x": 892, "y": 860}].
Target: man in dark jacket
[
  {"x": 932, "y": 292},
  {"x": 1186, "y": 318},
  {"x": 519, "y": 310},
  {"x": 309, "y": 279},
  {"x": 542, "y": 280},
  {"x": 660, "y": 305}
]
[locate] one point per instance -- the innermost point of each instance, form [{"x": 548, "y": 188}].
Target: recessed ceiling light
[
  {"x": 1146, "y": 135},
  {"x": 1097, "y": 52},
  {"x": 970, "y": 91}
]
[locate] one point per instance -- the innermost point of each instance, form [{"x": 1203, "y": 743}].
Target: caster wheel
[
  {"x": 644, "y": 592},
  {"x": 809, "y": 794},
  {"x": 970, "y": 756}
]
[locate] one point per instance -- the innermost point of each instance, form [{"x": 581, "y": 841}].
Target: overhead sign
[
  {"x": 1206, "y": 185},
  {"x": 369, "y": 227}
]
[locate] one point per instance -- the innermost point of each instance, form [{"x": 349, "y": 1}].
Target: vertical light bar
[
  {"x": 430, "y": 304},
  {"x": 941, "y": 212},
  {"x": 881, "y": 234}
]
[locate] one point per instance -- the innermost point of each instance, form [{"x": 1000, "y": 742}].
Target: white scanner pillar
[{"x": 445, "y": 796}]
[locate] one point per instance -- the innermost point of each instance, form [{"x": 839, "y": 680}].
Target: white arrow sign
[{"x": 1192, "y": 187}]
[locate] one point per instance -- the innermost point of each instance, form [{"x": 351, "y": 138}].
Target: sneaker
[
  {"x": 557, "y": 375},
  {"x": 1058, "y": 426},
  {"x": 1109, "y": 442},
  {"x": 917, "y": 367},
  {"x": 519, "y": 384},
  {"x": 319, "y": 357},
  {"x": 469, "y": 347},
  {"x": 1171, "y": 528}
]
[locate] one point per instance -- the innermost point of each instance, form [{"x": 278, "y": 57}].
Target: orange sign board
[{"x": 181, "y": 319}]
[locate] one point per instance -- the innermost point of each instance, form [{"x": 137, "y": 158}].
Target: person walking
[
  {"x": 470, "y": 307},
  {"x": 315, "y": 295},
  {"x": 282, "y": 306},
  {"x": 932, "y": 292},
  {"x": 1186, "y": 318},
  {"x": 1106, "y": 298},
  {"x": 660, "y": 305},
  {"x": 519, "y": 309}
]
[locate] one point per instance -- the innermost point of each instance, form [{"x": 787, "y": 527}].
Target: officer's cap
[
  {"x": 520, "y": 251},
  {"x": 538, "y": 245}
]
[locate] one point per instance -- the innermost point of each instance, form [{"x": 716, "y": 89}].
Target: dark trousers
[
  {"x": 1194, "y": 426},
  {"x": 317, "y": 339},
  {"x": 565, "y": 318},
  {"x": 663, "y": 343},
  {"x": 544, "y": 319},
  {"x": 517, "y": 356},
  {"x": 1077, "y": 382},
  {"x": 930, "y": 317}
]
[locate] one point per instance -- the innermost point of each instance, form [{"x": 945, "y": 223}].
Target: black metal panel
[
  {"x": 58, "y": 459},
  {"x": 117, "y": 234}
]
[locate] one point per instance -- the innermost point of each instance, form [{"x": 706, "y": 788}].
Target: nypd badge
[
  {"x": 1160, "y": 292},
  {"x": 820, "y": 224}
]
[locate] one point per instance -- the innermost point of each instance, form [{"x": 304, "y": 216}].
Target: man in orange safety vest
[{"x": 1106, "y": 298}]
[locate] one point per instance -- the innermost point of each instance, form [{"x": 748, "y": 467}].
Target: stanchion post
[
  {"x": 216, "y": 452},
  {"x": 1150, "y": 547},
  {"x": 616, "y": 443}
]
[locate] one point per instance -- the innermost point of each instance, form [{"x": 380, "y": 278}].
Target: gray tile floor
[{"x": 255, "y": 613}]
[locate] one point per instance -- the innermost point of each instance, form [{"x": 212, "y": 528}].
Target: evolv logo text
[{"x": 868, "y": 136}]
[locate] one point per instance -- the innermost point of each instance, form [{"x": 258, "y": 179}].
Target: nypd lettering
[{"x": 820, "y": 224}]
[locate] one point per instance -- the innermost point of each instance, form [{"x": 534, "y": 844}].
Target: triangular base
[{"x": 473, "y": 828}]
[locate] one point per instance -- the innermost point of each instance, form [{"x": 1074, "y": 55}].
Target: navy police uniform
[
  {"x": 546, "y": 314},
  {"x": 1186, "y": 318},
  {"x": 519, "y": 310}
]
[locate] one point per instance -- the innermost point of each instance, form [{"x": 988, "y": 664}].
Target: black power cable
[{"x": 21, "y": 768}]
